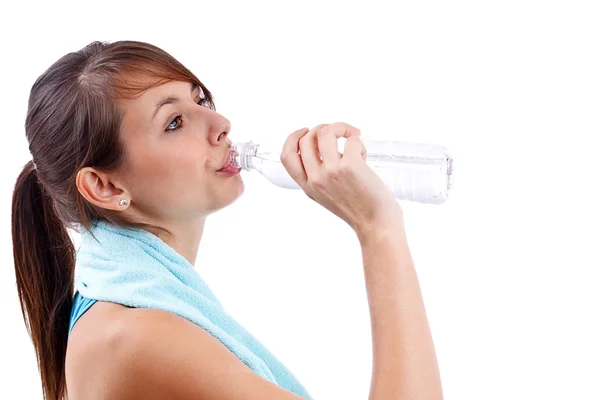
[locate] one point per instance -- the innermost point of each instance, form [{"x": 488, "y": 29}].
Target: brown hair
[{"x": 72, "y": 122}]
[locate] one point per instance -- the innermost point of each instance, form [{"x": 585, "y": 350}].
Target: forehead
[
  {"x": 141, "y": 109},
  {"x": 153, "y": 95}
]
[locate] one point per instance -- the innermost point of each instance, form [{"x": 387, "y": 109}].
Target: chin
[
  {"x": 232, "y": 192},
  {"x": 240, "y": 191}
]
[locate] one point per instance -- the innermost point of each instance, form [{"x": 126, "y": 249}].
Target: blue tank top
[{"x": 80, "y": 306}]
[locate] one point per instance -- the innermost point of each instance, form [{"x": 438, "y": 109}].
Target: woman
[{"x": 124, "y": 135}]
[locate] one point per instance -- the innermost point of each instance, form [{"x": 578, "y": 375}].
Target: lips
[{"x": 227, "y": 160}]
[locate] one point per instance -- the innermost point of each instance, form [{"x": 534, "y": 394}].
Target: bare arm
[
  {"x": 153, "y": 354},
  {"x": 404, "y": 360}
]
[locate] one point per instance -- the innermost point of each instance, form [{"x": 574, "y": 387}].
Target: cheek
[
  {"x": 169, "y": 163},
  {"x": 172, "y": 174},
  {"x": 186, "y": 177}
]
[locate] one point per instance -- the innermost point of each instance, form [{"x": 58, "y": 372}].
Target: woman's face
[{"x": 174, "y": 152}]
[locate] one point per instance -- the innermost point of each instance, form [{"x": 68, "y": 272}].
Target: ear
[{"x": 101, "y": 189}]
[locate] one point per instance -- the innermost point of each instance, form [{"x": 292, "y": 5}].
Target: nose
[{"x": 220, "y": 132}]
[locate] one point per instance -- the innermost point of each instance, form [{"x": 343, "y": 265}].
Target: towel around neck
[{"x": 135, "y": 268}]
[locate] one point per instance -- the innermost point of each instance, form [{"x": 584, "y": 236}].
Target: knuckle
[
  {"x": 346, "y": 169},
  {"x": 349, "y": 127},
  {"x": 331, "y": 172},
  {"x": 316, "y": 183}
]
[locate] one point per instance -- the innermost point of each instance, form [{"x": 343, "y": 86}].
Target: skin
[
  {"x": 170, "y": 177},
  {"x": 171, "y": 181}
]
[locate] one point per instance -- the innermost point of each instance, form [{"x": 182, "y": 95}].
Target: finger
[
  {"x": 349, "y": 130},
  {"x": 327, "y": 139},
  {"x": 355, "y": 149},
  {"x": 290, "y": 158},
  {"x": 327, "y": 143},
  {"x": 309, "y": 152}
]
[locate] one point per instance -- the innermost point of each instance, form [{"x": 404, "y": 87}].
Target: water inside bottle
[
  {"x": 414, "y": 172},
  {"x": 423, "y": 183}
]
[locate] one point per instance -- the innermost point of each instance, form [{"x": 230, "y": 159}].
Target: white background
[{"x": 508, "y": 266}]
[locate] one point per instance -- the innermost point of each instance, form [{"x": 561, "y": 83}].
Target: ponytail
[
  {"x": 73, "y": 121},
  {"x": 44, "y": 268}
]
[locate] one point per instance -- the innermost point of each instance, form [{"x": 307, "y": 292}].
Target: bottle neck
[{"x": 244, "y": 153}]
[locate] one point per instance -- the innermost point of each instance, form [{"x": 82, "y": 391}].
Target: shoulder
[
  {"x": 88, "y": 347},
  {"x": 140, "y": 353}
]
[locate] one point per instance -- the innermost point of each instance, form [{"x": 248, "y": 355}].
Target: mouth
[{"x": 229, "y": 160}]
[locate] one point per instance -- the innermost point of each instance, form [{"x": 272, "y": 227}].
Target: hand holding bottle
[{"x": 342, "y": 183}]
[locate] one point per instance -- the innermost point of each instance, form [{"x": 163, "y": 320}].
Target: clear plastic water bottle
[{"x": 413, "y": 171}]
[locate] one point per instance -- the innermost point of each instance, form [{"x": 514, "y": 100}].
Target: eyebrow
[{"x": 170, "y": 100}]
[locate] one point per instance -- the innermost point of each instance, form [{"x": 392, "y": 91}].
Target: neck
[{"x": 185, "y": 238}]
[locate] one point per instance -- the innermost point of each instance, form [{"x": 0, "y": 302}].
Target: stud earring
[{"x": 123, "y": 202}]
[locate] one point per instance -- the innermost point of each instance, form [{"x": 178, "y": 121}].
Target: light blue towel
[{"x": 135, "y": 268}]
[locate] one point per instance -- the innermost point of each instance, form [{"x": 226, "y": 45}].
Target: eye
[
  {"x": 171, "y": 127},
  {"x": 202, "y": 101},
  {"x": 174, "y": 126}
]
